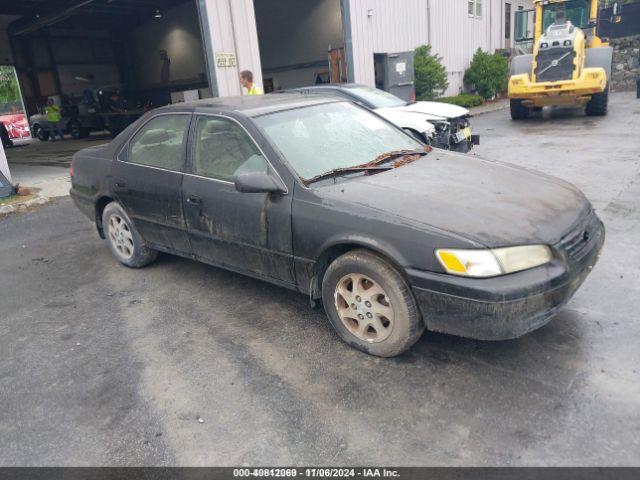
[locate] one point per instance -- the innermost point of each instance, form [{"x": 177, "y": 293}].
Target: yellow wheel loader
[{"x": 570, "y": 65}]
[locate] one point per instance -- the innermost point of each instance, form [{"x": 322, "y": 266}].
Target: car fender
[{"x": 358, "y": 240}]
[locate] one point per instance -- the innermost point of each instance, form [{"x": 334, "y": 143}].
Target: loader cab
[{"x": 578, "y": 12}]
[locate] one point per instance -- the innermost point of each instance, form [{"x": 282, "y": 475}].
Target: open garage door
[
  {"x": 301, "y": 43},
  {"x": 103, "y": 62}
]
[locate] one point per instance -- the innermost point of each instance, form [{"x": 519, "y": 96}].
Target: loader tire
[
  {"x": 597, "y": 106},
  {"x": 518, "y": 111}
]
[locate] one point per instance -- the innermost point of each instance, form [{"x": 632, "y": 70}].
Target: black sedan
[{"x": 324, "y": 197}]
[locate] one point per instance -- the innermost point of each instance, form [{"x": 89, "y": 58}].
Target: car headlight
[
  {"x": 441, "y": 127},
  {"x": 497, "y": 261}
]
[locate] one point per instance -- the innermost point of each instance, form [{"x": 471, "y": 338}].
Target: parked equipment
[{"x": 570, "y": 64}]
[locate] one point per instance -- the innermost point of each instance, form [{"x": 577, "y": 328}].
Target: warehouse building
[{"x": 154, "y": 52}]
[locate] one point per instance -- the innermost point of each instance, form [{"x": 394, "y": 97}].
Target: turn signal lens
[
  {"x": 491, "y": 263},
  {"x": 469, "y": 263}
]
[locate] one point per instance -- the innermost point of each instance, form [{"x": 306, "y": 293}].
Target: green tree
[
  {"x": 430, "y": 74},
  {"x": 9, "y": 91},
  {"x": 488, "y": 73}
]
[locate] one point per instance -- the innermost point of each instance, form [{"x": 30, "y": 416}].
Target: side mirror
[{"x": 258, "y": 182}]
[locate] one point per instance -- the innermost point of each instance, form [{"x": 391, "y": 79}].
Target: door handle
[
  {"x": 119, "y": 184},
  {"x": 193, "y": 200}
]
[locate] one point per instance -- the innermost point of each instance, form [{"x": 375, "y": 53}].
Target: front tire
[
  {"x": 598, "y": 104},
  {"x": 518, "y": 111},
  {"x": 370, "y": 304},
  {"x": 123, "y": 239}
]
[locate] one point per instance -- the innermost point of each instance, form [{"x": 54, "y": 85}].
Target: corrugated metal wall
[
  {"x": 379, "y": 26},
  {"x": 375, "y": 26},
  {"x": 384, "y": 26},
  {"x": 232, "y": 29}
]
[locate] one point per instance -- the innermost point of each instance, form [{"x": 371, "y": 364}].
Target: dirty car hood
[{"x": 490, "y": 203}]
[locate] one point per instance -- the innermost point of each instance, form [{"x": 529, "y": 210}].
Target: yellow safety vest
[{"x": 254, "y": 90}]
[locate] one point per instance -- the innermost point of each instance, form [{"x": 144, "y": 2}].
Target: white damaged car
[{"x": 439, "y": 124}]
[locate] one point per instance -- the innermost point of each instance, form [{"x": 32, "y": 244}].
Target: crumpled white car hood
[
  {"x": 435, "y": 110},
  {"x": 405, "y": 119}
]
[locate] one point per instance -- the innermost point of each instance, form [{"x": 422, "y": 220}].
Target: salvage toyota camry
[{"x": 325, "y": 197}]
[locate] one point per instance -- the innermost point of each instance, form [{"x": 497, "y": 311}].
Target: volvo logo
[{"x": 586, "y": 235}]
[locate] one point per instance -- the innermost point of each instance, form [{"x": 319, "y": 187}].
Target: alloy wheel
[
  {"x": 364, "y": 308},
  {"x": 121, "y": 236}
]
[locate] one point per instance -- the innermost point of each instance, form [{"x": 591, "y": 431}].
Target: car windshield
[
  {"x": 321, "y": 138},
  {"x": 576, "y": 11},
  {"x": 376, "y": 98}
]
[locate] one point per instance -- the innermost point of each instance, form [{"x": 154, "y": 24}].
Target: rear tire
[
  {"x": 518, "y": 111},
  {"x": 597, "y": 106},
  {"x": 370, "y": 304},
  {"x": 74, "y": 129},
  {"x": 123, "y": 239},
  {"x": 42, "y": 134}
]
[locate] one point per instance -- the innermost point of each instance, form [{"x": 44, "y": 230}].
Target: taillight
[
  {"x": 412, "y": 98},
  {"x": 71, "y": 171}
]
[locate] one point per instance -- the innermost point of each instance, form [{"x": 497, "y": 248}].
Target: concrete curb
[
  {"x": 492, "y": 107},
  {"x": 22, "y": 206}
]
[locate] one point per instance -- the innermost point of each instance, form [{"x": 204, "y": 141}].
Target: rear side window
[
  {"x": 222, "y": 150},
  {"x": 159, "y": 142}
]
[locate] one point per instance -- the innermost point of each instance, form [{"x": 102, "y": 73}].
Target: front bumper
[
  {"x": 563, "y": 92},
  {"x": 508, "y": 306}
]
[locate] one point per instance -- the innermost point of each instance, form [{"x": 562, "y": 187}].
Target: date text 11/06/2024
[{"x": 316, "y": 472}]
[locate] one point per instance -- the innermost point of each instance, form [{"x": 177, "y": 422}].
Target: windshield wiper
[
  {"x": 405, "y": 155},
  {"x": 343, "y": 170}
]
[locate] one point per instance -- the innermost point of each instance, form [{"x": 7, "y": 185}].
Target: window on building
[
  {"x": 159, "y": 142},
  {"x": 475, "y": 8},
  {"x": 507, "y": 21},
  {"x": 223, "y": 150}
]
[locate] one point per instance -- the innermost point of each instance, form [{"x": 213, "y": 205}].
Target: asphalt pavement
[{"x": 181, "y": 363}]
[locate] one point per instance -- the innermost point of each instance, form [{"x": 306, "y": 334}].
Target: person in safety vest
[
  {"x": 53, "y": 117},
  {"x": 246, "y": 80}
]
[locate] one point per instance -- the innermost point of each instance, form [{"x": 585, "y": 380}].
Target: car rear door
[
  {"x": 147, "y": 180},
  {"x": 247, "y": 232}
]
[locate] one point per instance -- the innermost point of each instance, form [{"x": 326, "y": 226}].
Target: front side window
[
  {"x": 575, "y": 11},
  {"x": 159, "y": 142},
  {"x": 321, "y": 138},
  {"x": 222, "y": 150}
]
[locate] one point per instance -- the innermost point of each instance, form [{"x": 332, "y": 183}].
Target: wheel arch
[
  {"x": 600, "y": 57},
  {"x": 521, "y": 64},
  {"x": 100, "y": 203},
  {"x": 334, "y": 249}
]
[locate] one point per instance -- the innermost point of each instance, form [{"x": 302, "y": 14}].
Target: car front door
[
  {"x": 247, "y": 232},
  {"x": 147, "y": 181}
]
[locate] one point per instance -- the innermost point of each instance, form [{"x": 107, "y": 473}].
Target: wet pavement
[{"x": 101, "y": 364}]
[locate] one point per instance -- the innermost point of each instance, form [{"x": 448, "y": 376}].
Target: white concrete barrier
[{"x": 4, "y": 166}]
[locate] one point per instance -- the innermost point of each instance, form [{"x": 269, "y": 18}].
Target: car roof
[
  {"x": 332, "y": 86},
  {"x": 252, "y": 105}
]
